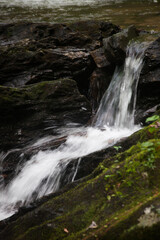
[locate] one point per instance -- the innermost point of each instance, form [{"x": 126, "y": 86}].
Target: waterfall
[
  {"x": 118, "y": 103},
  {"x": 41, "y": 175}
]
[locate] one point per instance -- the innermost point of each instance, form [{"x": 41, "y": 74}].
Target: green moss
[{"x": 17, "y": 103}]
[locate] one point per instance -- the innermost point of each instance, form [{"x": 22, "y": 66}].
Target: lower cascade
[{"x": 41, "y": 175}]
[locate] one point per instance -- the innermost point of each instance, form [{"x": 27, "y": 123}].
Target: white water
[
  {"x": 41, "y": 175},
  {"x": 118, "y": 103},
  {"x": 53, "y": 3}
]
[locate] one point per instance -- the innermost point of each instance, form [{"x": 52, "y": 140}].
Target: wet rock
[
  {"x": 14, "y": 159},
  {"x": 99, "y": 57},
  {"x": 99, "y": 82},
  {"x": 21, "y": 66},
  {"x": 97, "y": 30},
  {"x": 115, "y": 46},
  {"x": 149, "y": 82},
  {"x": 151, "y": 60},
  {"x": 46, "y": 35},
  {"x": 39, "y": 108},
  {"x": 33, "y": 52},
  {"x": 142, "y": 115}
]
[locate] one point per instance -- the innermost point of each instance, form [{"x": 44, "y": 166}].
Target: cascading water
[
  {"x": 41, "y": 175},
  {"x": 118, "y": 103}
]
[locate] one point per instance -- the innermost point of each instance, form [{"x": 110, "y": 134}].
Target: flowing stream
[{"x": 41, "y": 175}]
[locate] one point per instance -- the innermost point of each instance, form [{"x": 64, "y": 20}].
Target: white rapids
[
  {"x": 41, "y": 175},
  {"x": 47, "y": 166}
]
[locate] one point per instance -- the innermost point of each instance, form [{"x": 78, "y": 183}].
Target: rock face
[
  {"x": 38, "y": 107},
  {"x": 33, "y": 53},
  {"x": 148, "y": 99},
  {"x": 115, "y": 46}
]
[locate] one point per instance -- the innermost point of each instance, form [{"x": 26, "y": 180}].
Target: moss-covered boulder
[
  {"x": 26, "y": 113},
  {"x": 120, "y": 200}
]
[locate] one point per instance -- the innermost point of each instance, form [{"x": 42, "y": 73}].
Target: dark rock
[
  {"x": 149, "y": 82},
  {"x": 20, "y": 66},
  {"x": 115, "y": 46},
  {"x": 142, "y": 115},
  {"x": 99, "y": 82},
  {"x": 45, "y": 35},
  {"x": 33, "y": 52},
  {"x": 38, "y": 108},
  {"x": 151, "y": 60},
  {"x": 97, "y": 30},
  {"x": 99, "y": 57}
]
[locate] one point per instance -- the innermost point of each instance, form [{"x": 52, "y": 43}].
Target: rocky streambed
[{"x": 53, "y": 75}]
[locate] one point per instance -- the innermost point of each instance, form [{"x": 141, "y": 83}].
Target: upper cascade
[{"x": 118, "y": 103}]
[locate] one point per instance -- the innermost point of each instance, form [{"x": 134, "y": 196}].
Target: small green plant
[
  {"x": 108, "y": 176},
  {"x": 117, "y": 148},
  {"x": 146, "y": 145},
  {"x": 152, "y": 118},
  {"x": 149, "y": 147}
]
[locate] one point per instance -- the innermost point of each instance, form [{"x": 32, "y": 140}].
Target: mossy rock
[
  {"x": 55, "y": 96},
  {"x": 121, "y": 201},
  {"x": 39, "y": 106}
]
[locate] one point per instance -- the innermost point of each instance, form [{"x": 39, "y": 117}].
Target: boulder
[
  {"x": 32, "y": 52},
  {"x": 97, "y": 30},
  {"x": 148, "y": 98},
  {"x": 99, "y": 82},
  {"x": 115, "y": 46},
  {"x": 22, "y": 66},
  {"x": 35, "y": 110},
  {"x": 45, "y": 35}
]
